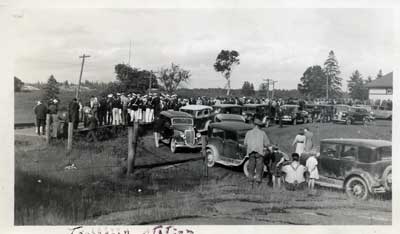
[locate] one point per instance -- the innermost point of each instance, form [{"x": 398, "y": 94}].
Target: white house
[{"x": 382, "y": 88}]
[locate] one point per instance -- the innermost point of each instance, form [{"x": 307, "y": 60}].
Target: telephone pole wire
[{"x": 80, "y": 76}]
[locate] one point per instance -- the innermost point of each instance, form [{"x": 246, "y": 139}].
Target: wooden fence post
[
  {"x": 204, "y": 153},
  {"x": 132, "y": 153},
  {"x": 70, "y": 135},
  {"x": 130, "y": 150},
  {"x": 47, "y": 129}
]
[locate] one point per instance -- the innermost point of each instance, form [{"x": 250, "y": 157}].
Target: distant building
[{"x": 382, "y": 88}]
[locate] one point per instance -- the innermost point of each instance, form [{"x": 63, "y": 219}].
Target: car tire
[
  {"x": 348, "y": 121},
  {"x": 246, "y": 169},
  {"x": 356, "y": 188},
  {"x": 211, "y": 157},
  {"x": 172, "y": 145}
]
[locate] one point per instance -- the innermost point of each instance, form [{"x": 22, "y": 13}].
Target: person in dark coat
[
  {"x": 73, "y": 112},
  {"x": 41, "y": 112},
  {"x": 92, "y": 126}
]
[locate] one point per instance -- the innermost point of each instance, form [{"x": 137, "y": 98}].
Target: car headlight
[
  {"x": 182, "y": 135},
  {"x": 198, "y": 135}
]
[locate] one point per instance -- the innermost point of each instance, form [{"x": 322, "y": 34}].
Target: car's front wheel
[
  {"x": 173, "y": 145},
  {"x": 357, "y": 188},
  {"x": 210, "y": 157},
  {"x": 348, "y": 121}
]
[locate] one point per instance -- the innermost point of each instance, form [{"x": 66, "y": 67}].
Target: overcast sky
[{"x": 273, "y": 43}]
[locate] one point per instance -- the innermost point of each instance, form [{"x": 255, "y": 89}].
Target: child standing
[{"x": 312, "y": 167}]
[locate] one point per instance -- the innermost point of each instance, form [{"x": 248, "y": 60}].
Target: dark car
[
  {"x": 227, "y": 109},
  {"x": 352, "y": 115},
  {"x": 177, "y": 129},
  {"x": 292, "y": 114},
  {"x": 359, "y": 166},
  {"x": 201, "y": 114},
  {"x": 226, "y": 145},
  {"x": 259, "y": 111}
]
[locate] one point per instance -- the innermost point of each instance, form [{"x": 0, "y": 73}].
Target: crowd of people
[{"x": 295, "y": 175}]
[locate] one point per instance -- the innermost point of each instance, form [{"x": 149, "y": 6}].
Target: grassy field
[
  {"x": 24, "y": 102},
  {"x": 98, "y": 192}
]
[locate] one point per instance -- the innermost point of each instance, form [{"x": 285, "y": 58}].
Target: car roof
[
  {"x": 371, "y": 143},
  {"x": 232, "y": 126},
  {"x": 195, "y": 107},
  {"x": 226, "y": 105},
  {"x": 172, "y": 114},
  {"x": 254, "y": 105},
  {"x": 227, "y": 117},
  {"x": 290, "y": 105}
]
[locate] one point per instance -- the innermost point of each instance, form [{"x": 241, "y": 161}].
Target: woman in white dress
[{"x": 299, "y": 142}]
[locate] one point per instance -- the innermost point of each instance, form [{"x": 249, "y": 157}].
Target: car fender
[
  {"x": 369, "y": 180},
  {"x": 215, "y": 149}
]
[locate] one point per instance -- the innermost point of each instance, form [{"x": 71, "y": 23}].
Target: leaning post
[
  {"x": 130, "y": 150},
  {"x": 133, "y": 143},
  {"x": 47, "y": 129},
  {"x": 204, "y": 154},
  {"x": 70, "y": 135}
]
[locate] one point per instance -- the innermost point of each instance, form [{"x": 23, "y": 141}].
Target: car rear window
[
  {"x": 366, "y": 155},
  {"x": 385, "y": 153}
]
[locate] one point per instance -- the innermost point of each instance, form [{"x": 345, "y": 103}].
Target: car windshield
[
  {"x": 341, "y": 108},
  {"x": 288, "y": 109},
  {"x": 192, "y": 112},
  {"x": 241, "y": 136},
  {"x": 182, "y": 121},
  {"x": 385, "y": 153},
  {"x": 251, "y": 109}
]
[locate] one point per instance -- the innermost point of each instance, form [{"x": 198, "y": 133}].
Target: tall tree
[
  {"x": 356, "y": 86},
  {"x": 133, "y": 79},
  {"x": 51, "y": 89},
  {"x": 18, "y": 84},
  {"x": 333, "y": 81},
  {"x": 224, "y": 64},
  {"x": 171, "y": 78},
  {"x": 248, "y": 89},
  {"x": 312, "y": 83}
]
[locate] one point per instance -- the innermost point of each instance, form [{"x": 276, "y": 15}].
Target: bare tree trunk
[{"x": 228, "y": 91}]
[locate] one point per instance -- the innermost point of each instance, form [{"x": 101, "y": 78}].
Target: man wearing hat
[
  {"x": 40, "y": 112},
  {"x": 53, "y": 109},
  {"x": 255, "y": 141}
]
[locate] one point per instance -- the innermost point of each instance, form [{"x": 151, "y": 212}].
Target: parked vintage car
[
  {"x": 359, "y": 166},
  {"x": 259, "y": 111},
  {"x": 352, "y": 115},
  {"x": 340, "y": 111},
  {"x": 371, "y": 114},
  {"x": 380, "y": 112},
  {"x": 201, "y": 114},
  {"x": 226, "y": 145},
  {"x": 228, "y": 117},
  {"x": 292, "y": 114},
  {"x": 227, "y": 109},
  {"x": 177, "y": 129}
]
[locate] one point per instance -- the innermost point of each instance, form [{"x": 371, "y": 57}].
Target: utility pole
[
  {"x": 269, "y": 82},
  {"x": 80, "y": 76},
  {"x": 273, "y": 88}
]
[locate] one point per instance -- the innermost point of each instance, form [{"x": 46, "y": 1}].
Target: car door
[
  {"x": 329, "y": 162},
  {"x": 231, "y": 146},
  {"x": 348, "y": 156}
]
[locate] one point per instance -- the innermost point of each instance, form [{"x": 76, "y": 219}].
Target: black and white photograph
[{"x": 203, "y": 116}]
